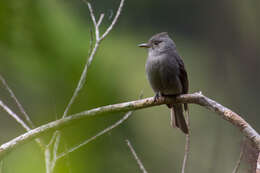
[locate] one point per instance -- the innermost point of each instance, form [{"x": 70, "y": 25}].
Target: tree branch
[
  {"x": 127, "y": 115},
  {"x": 196, "y": 98},
  {"x": 93, "y": 51},
  {"x": 187, "y": 144},
  {"x": 15, "y": 116},
  {"x": 91, "y": 54},
  {"x": 114, "y": 20},
  {"x": 26, "y": 116},
  {"x": 242, "y": 148},
  {"x": 258, "y": 164},
  {"x": 140, "y": 164}
]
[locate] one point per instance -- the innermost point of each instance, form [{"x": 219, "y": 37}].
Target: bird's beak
[{"x": 145, "y": 45}]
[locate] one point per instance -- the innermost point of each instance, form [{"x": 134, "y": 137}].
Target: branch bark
[
  {"x": 258, "y": 164},
  {"x": 187, "y": 145},
  {"x": 92, "y": 51},
  {"x": 196, "y": 98}
]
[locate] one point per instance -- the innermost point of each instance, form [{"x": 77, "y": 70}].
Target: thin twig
[
  {"x": 26, "y": 116},
  {"x": 47, "y": 156},
  {"x": 196, "y": 98},
  {"x": 100, "y": 19},
  {"x": 91, "y": 55},
  {"x": 47, "y": 153},
  {"x": 127, "y": 115},
  {"x": 14, "y": 115},
  {"x": 114, "y": 20},
  {"x": 187, "y": 144},
  {"x": 140, "y": 164},
  {"x": 20, "y": 121},
  {"x": 242, "y": 149},
  {"x": 51, "y": 151},
  {"x": 56, "y": 146},
  {"x": 94, "y": 50},
  {"x": 96, "y": 25},
  {"x": 90, "y": 42},
  {"x": 87, "y": 64},
  {"x": 91, "y": 13},
  {"x": 53, "y": 138},
  {"x": 55, "y": 151}
]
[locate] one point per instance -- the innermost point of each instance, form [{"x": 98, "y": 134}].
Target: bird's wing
[
  {"x": 183, "y": 76},
  {"x": 184, "y": 81}
]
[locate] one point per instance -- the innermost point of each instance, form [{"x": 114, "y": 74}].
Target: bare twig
[
  {"x": 114, "y": 20},
  {"x": 91, "y": 12},
  {"x": 94, "y": 50},
  {"x": 55, "y": 151},
  {"x": 47, "y": 153},
  {"x": 51, "y": 151},
  {"x": 68, "y": 151},
  {"x": 127, "y": 115},
  {"x": 14, "y": 115},
  {"x": 22, "y": 110},
  {"x": 56, "y": 147},
  {"x": 240, "y": 156},
  {"x": 140, "y": 164},
  {"x": 26, "y": 116},
  {"x": 100, "y": 20},
  {"x": 47, "y": 156},
  {"x": 90, "y": 42},
  {"x": 53, "y": 138},
  {"x": 91, "y": 55},
  {"x": 196, "y": 98},
  {"x": 96, "y": 25},
  {"x": 187, "y": 145},
  {"x": 20, "y": 121}
]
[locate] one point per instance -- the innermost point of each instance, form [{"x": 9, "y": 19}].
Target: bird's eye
[{"x": 157, "y": 43}]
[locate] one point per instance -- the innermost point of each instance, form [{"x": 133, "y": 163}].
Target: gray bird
[{"x": 167, "y": 75}]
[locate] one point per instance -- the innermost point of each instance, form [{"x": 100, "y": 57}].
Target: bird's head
[{"x": 159, "y": 43}]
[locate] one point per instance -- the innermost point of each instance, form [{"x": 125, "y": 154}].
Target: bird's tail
[{"x": 177, "y": 117}]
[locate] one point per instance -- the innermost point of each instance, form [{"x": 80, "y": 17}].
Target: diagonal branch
[
  {"x": 14, "y": 115},
  {"x": 93, "y": 51},
  {"x": 140, "y": 164},
  {"x": 114, "y": 20},
  {"x": 89, "y": 60},
  {"x": 196, "y": 98},
  {"x": 127, "y": 115},
  {"x": 187, "y": 145},
  {"x": 91, "y": 13},
  {"x": 235, "y": 170},
  {"x": 26, "y": 116}
]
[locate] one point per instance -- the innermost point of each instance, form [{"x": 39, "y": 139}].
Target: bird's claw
[{"x": 156, "y": 97}]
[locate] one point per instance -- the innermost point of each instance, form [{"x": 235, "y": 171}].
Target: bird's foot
[{"x": 157, "y": 96}]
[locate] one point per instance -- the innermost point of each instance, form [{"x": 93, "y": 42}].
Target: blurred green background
[{"x": 43, "y": 48}]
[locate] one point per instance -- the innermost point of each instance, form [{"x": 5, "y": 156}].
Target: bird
[{"x": 167, "y": 75}]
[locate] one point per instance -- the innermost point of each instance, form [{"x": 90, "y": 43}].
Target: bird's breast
[{"x": 162, "y": 74}]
